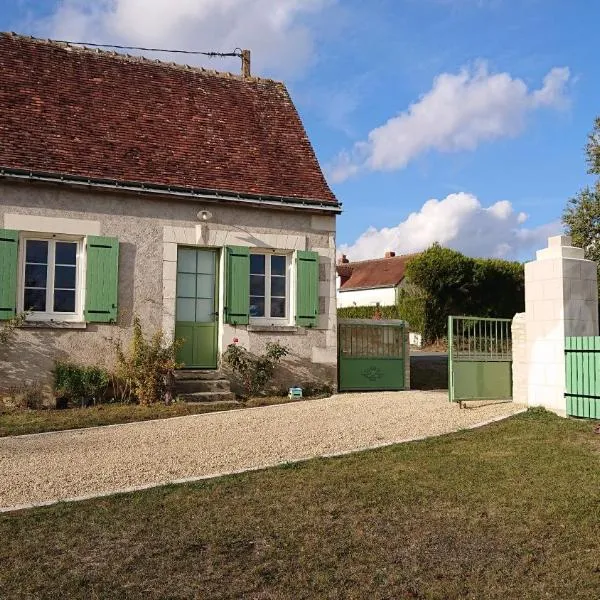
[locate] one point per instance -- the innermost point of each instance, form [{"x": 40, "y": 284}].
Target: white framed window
[
  {"x": 270, "y": 287},
  {"x": 51, "y": 277}
]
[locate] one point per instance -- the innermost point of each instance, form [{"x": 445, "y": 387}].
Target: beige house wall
[{"x": 149, "y": 230}]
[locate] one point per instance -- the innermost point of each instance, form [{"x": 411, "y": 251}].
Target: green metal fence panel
[
  {"x": 371, "y": 355},
  {"x": 479, "y": 358},
  {"x": 582, "y": 376}
]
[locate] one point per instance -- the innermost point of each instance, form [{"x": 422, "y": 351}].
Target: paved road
[{"x": 45, "y": 468}]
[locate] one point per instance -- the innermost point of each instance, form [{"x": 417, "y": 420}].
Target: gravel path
[{"x": 42, "y": 468}]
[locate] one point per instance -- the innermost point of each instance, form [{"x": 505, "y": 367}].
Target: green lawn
[
  {"x": 19, "y": 422},
  {"x": 510, "y": 511}
]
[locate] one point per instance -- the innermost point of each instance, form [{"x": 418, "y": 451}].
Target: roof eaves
[
  {"x": 345, "y": 288},
  {"x": 170, "y": 190}
]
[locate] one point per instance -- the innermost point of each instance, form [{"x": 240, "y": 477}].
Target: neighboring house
[
  {"x": 370, "y": 282},
  {"x": 190, "y": 198}
]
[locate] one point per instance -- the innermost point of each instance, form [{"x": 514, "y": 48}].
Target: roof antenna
[{"x": 246, "y": 63}]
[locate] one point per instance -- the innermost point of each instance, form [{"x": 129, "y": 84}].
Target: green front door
[{"x": 196, "y": 318}]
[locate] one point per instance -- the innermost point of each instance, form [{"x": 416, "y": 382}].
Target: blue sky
[{"x": 481, "y": 105}]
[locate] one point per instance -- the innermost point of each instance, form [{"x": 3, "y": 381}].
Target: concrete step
[
  {"x": 197, "y": 374},
  {"x": 189, "y": 386},
  {"x": 224, "y": 404},
  {"x": 210, "y": 397}
]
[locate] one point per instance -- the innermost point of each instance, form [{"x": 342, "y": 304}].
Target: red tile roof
[
  {"x": 376, "y": 273},
  {"x": 74, "y": 111}
]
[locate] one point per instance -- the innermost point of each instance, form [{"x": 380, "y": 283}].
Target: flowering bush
[{"x": 255, "y": 372}]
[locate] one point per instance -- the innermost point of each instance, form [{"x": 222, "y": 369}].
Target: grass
[
  {"x": 507, "y": 511},
  {"x": 19, "y": 422}
]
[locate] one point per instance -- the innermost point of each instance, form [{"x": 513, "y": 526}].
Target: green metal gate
[
  {"x": 582, "y": 364},
  {"x": 479, "y": 359},
  {"x": 371, "y": 354}
]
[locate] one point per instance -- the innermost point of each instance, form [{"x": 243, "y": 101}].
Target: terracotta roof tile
[
  {"x": 379, "y": 272},
  {"x": 101, "y": 115}
]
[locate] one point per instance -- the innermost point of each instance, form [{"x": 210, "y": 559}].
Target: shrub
[
  {"x": 25, "y": 395},
  {"x": 7, "y": 329},
  {"x": 146, "y": 368},
  {"x": 79, "y": 383},
  {"x": 255, "y": 372},
  {"x": 412, "y": 303}
]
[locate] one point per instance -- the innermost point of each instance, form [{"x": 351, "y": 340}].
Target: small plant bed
[
  {"x": 21, "y": 422},
  {"x": 506, "y": 511}
]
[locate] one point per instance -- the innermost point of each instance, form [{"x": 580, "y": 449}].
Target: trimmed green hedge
[{"x": 367, "y": 312}]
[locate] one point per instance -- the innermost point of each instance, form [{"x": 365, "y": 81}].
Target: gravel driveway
[{"x": 44, "y": 468}]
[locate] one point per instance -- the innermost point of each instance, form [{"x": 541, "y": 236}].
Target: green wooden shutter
[
  {"x": 102, "y": 280},
  {"x": 307, "y": 287},
  {"x": 9, "y": 241},
  {"x": 237, "y": 302}
]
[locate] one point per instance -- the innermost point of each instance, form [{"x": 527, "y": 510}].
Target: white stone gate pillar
[{"x": 561, "y": 299}]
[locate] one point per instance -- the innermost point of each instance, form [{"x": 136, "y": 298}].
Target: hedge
[
  {"x": 455, "y": 284},
  {"x": 367, "y": 312}
]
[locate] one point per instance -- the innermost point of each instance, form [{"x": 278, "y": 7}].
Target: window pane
[
  {"x": 257, "y": 264},
  {"x": 206, "y": 286},
  {"x": 64, "y": 301},
  {"x": 186, "y": 309},
  {"x": 35, "y": 275},
  {"x": 186, "y": 285},
  {"x": 206, "y": 262},
  {"x": 186, "y": 260},
  {"x": 64, "y": 277},
  {"x": 257, "y": 306},
  {"x": 66, "y": 253},
  {"x": 36, "y": 252},
  {"x": 277, "y": 265},
  {"x": 278, "y": 307},
  {"x": 257, "y": 285},
  {"x": 204, "y": 311},
  {"x": 35, "y": 300},
  {"x": 278, "y": 286}
]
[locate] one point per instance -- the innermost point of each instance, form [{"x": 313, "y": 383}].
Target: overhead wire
[{"x": 235, "y": 53}]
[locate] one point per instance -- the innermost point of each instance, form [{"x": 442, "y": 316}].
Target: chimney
[
  {"x": 390, "y": 254},
  {"x": 246, "y": 63},
  {"x": 343, "y": 260}
]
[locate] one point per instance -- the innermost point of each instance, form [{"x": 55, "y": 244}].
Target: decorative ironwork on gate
[
  {"x": 479, "y": 358},
  {"x": 371, "y": 354}
]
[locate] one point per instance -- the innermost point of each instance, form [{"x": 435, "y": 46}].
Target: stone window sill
[
  {"x": 54, "y": 325},
  {"x": 276, "y": 329}
]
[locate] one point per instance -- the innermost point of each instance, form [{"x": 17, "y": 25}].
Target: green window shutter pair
[
  {"x": 237, "y": 303},
  {"x": 101, "y": 283}
]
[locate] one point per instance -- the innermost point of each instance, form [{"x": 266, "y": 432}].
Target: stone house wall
[{"x": 149, "y": 230}]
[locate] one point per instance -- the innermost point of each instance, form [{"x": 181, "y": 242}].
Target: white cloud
[
  {"x": 273, "y": 29},
  {"x": 458, "y": 221},
  {"x": 460, "y": 112}
]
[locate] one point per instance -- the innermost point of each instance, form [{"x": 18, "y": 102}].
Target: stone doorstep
[
  {"x": 197, "y": 375},
  {"x": 203, "y": 386},
  {"x": 209, "y": 397}
]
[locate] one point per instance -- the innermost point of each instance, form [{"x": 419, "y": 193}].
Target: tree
[
  {"x": 581, "y": 219},
  {"x": 581, "y": 216},
  {"x": 592, "y": 149}
]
